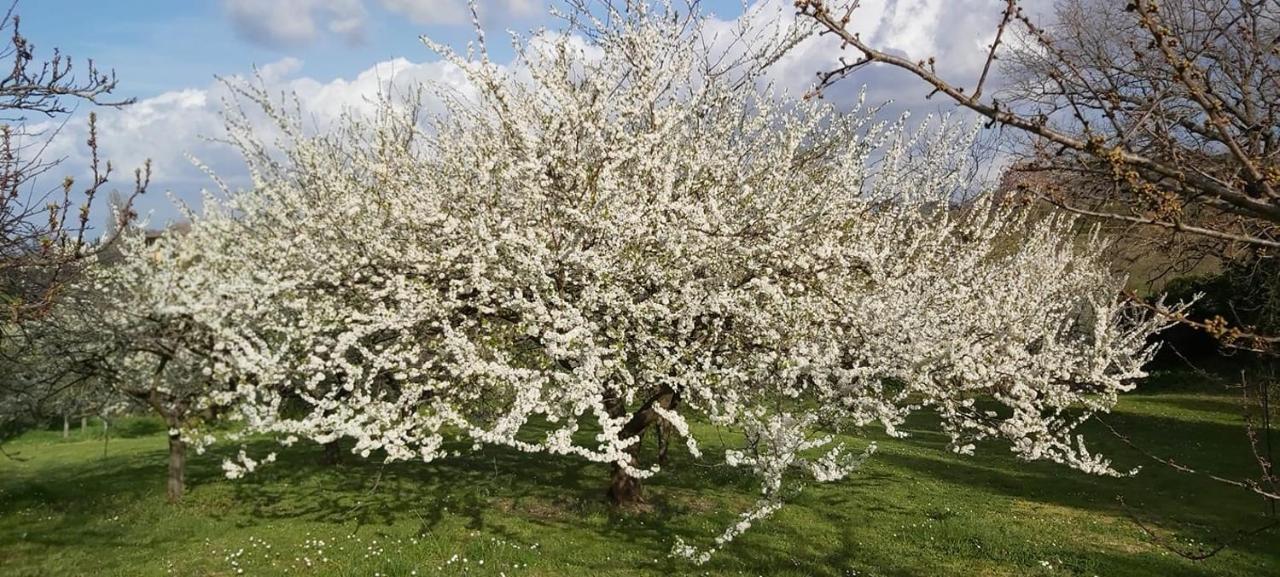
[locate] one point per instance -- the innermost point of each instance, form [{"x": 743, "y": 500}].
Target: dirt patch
[{"x": 536, "y": 508}]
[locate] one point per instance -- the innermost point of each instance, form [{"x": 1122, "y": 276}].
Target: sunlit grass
[{"x": 915, "y": 509}]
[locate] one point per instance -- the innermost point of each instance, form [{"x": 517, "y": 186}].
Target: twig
[
  {"x": 1203, "y": 553},
  {"x": 1248, "y": 485}
]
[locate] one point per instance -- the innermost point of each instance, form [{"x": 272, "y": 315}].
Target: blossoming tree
[
  {"x": 145, "y": 328},
  {"x": 627, "y": 227}
]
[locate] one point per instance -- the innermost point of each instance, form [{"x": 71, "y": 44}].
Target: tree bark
[
  {"x": 106, "y": 437},
  {"x": 177, "y": 468},
  {"x": 625, "y": 490},
  {"x": 174, "y": 412},
  {"x": 332, "y": 453},
  {"x": 664, "y": 442},
  {"x": 66, "y": 426},
  {"x": 84, "y": 422}
]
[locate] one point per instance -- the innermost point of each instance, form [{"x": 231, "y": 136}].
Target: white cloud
[
  {"x": 283, "y": 23},
  {"x": 168, "y": 127},
  {"x": 457, "y": 12},
  {"x": 291, "y": 23},
  {"x": 280, "y": 69},
  {"x": 172, "y": 128},
  {"x": 955, "y": 32}
]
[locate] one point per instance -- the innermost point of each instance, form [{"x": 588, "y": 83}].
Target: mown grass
[{"x": 914, "y": 509}]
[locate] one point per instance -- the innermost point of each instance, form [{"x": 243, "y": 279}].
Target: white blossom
[{"x": 620, "y": 215}]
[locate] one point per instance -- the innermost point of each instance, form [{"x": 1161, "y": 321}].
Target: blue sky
[
  {"x": 161, "y": 45},
  {"x": 335, "y": 53}
]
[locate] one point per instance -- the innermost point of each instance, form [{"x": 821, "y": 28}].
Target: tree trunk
[
  {"x": 664, "y": 442},
  {"x": 177, "y": 468},
  {"x": 66, "y": 426},
  {"x": 84, "y": 422},
  {"x": 625, "y": 490},
  {"x": 332, "y": 453},
  {"x": 174, "y": 412}
]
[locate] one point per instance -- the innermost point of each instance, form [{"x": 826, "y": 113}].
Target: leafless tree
[
  {"x": 44, "y": 227},
  {"x": 45, "y": 233},
  {"x": 1160, "y": 117},
  {"x": 1178, "y": 105}
]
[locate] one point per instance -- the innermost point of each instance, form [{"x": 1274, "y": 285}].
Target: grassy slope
[{"x": 913, "y": 510}]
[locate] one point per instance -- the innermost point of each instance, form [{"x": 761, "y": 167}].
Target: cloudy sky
[{"x": 335, "y": 53}]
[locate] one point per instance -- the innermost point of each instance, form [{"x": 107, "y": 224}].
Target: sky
[{"x": 335, "y": 53}]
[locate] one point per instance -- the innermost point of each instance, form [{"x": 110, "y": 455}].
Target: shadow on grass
[
  {"x": 778, "y": 555},
  {"x": 485, "y": 490},
  {"x": 1191, "y": 505},
  {"x": 365, "y": 492}
]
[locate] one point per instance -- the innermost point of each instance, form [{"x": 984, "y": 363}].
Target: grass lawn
[{"x": 914, "y": 509}]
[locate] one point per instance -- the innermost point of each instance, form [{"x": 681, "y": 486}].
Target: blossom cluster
[{"x": 626, "y": 213}]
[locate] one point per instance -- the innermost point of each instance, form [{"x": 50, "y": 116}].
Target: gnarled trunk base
[
  {"x": 332, "y": 453},
  {"x": 625, "y": 490}
]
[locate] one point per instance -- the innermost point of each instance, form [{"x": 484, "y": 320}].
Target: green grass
[{"x": 914, "y": 509}]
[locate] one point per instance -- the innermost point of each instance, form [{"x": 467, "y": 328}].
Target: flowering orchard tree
[
  {"x": 36, "y": 389},
  {"x": 629, "y": 227},
  {"x": 144, "y": 326}
]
